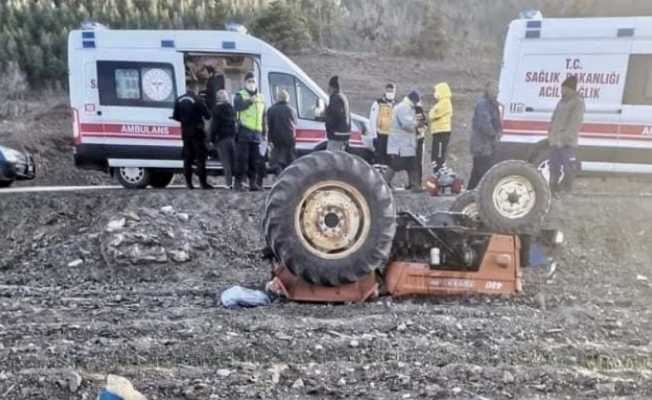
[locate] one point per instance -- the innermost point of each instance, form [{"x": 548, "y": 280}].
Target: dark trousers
[
  {"x": 381, "y": 150},
  {"x": 247, "y": 161},
  {"x": 281, "y": 156},
  {"x": 439, "y": 150},
  {"x": 418, "y": 165},
  {"x": 481, "y": 164},
  {"x": 194, "y": 151},
  {"x": 562, "y": 160},
  {"x": 226, "y": 153},
  {"x": 407, "y": 164}
]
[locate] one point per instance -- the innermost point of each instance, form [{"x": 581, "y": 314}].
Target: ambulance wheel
[
  {"x": 330, "y": 219},
  {"x": 161, "y": 179},
  {"x": 466, "y": 204},
  {"x": 5, "y": 184},
  {"x": 513, "y": 198},
  {"x": 133, "y": 177}
]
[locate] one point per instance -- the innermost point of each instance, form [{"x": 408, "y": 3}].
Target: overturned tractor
[{"x": 332, "y": 226}]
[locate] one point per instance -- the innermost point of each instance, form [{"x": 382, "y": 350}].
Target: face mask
[
  {"x": 251, "y": 86},
  {"x": 390, "y": 95}
]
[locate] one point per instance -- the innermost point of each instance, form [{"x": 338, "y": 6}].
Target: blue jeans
[{"x": 562, "y": 159}]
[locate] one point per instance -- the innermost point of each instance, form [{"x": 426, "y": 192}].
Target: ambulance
[
  {"x": 612, "y": 59},
  {"x": 123, "y": 84}
]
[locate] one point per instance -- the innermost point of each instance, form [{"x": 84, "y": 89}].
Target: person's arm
[
  {"x": 175, "y": 112},
  {"x": 373, "y": 119},
  {"x": 574, "y": 122},
  {"x": 240, "y": 104},
  {"x": 295, "y": 122},
  {"x": 271, "y": 129},
  {"x": 407, "y": 119},
  {"x": 484, "y": 121},
  {"x": 203, "y": 109}
]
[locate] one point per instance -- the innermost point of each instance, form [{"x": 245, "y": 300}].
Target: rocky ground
[{"x": 126, "y": 283}]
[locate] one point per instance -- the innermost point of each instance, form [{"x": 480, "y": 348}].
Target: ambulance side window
[
  {"x": 307, "y": 100},
  {"x": 136, "y": 84},
  {"x": 638, "y": 90},
  {"x": 301, "y": 97},
  {"x": 278, "y": 82}
]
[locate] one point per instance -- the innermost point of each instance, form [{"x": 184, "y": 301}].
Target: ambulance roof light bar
[
  {"x": 531, "y": 14},
  {"x": 89, "y": 25}
]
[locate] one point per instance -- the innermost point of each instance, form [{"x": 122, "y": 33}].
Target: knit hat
[
  {"x": 249, "y": 75},
  {"x": 570, "y": 82},
  {"x": 414, "y": 96},
  {"x": 334, "y": 82},
  {"x": 390, "y": 86}
]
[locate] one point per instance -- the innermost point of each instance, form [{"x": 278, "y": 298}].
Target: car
[{"x": 15, "y": 165}]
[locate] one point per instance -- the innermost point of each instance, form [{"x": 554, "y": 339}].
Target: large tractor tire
[
  {"x": 513, "y": 198},
  {"x": 330, "y": 219},
  {"x": 466, "y": 203}
]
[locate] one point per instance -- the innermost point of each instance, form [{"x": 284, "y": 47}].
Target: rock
[
  {"x": 183, "y": 217},
  {"x": 641, "y": 278},
  {"x": 606, "y": 387},
  {"x": 122, "y": 387},
  {"x": 167, "y": 210},
  {"x": 133, "y": 216},
  {"x": 277, "y": 370},
  {"x": 319, "y": 347},
  {"x": 540, "y": 300},
  {"x": 298, "y": 384},
  {"x": 74, "y": 380},
  {"x": 179, "y": 256},
  {"x": 354, "y": 344},
  {"x": 223, "y": 373},
  {"x": 401, "y": 327},
  {"x": 434, "y": 391},
  {"x": 116, "y": 225},
  {"x": 341, "y": 382},
  {"x": 456, "y": 391},
  {"x": 73, "y": 264},
  {"x": 508, "y": 377}
]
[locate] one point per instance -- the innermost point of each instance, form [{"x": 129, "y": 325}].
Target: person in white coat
[{"x": 402, "y": 141}]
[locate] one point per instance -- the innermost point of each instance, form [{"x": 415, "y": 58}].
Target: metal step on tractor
[{"x": 334, "y": 234}]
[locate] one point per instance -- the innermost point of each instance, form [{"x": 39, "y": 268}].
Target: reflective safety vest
[
  {"x": 252, "y": 117},
  {"x": 384, "y": 118}
]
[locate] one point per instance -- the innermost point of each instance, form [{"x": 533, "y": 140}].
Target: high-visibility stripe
[{"x": 589, "y": 129}]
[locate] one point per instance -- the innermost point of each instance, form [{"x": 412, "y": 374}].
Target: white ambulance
[
  {"x": 612, "y": 58},
  {"x": 123, "y": 85}
]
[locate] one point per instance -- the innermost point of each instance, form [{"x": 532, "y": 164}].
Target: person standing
[
  {"x": 214, "y": 84},
  {"x": 380, "y": 122},
  {"x": 441, "y": 122},
  {"x": 486, "y": 133},
  {"x": 564, "y": 135},
  {"x": 250, "y": 108},
  {"x": 338, "y": 117},
  {"x": 223, "y": 134},
  {"x": 191, "y": 111},
  {"x": 402, "y": 142},
  {"x": 281, "y": 124}
]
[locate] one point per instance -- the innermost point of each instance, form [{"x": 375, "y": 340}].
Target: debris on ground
[{"x": 240, "y": 297}]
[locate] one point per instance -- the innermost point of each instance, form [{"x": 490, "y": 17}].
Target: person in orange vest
[
  {"x": 441, "y": 124},
  {"x": 380, "y": 122}
]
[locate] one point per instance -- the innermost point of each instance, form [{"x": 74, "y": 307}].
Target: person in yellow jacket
[{"x": 441, "y": 123}]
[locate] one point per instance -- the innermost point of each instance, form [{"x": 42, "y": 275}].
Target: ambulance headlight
[{"x": 12, "y": 156}]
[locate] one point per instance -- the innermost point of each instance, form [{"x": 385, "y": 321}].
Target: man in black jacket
[
  {"x": 191, "y": 111},
  {"x": 281, "y": 124},
  {"x": 338, "y": 117},
  {"x": 215, "y": 84},
  {"x": 223, "y": 134}
]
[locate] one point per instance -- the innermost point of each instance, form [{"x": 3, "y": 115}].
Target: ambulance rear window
[{"x": 136, "y": 84}]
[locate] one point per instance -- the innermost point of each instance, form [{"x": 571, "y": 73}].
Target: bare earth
[{"x": 72, "y": 302}]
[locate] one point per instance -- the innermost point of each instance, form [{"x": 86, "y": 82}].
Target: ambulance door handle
[
  {"x": 99, "y": 113},
  {"x": 529, "y": 109}
]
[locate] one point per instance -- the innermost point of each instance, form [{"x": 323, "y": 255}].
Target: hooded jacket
[
  {"x": 567, "y": 121},
  {"x": 403, "y": 136},
  {"x": 441, "y": 114},
  {"x": 487, "y": 128}
]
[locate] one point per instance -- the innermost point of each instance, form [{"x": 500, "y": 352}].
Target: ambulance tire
[
  {"x": 133, "y": 178},
  {"x": 5, "y": 184},
  {"x": 330, "y": 218},
  {"x": 513, "y": 198},
  {"x": 161, "y": 179},
  {"x": 466, "y": 203}
]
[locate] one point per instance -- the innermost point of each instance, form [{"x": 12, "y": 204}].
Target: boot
[
  {"x": 237, "y": 186},
  {"x": 189, "y": 182},
  {"x": 207, "y": 186}
]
